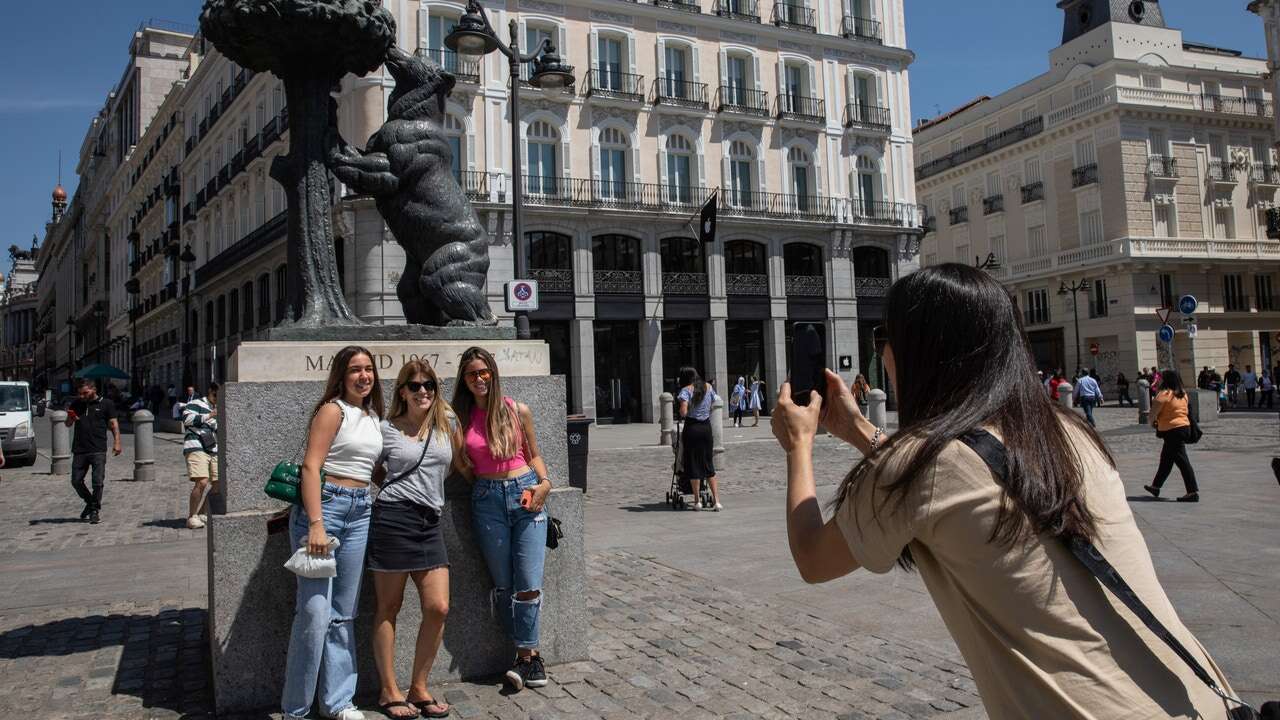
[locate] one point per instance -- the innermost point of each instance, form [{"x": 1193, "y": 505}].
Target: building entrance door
[
  {"x": 744, "y": 350},
  {"x": 617, "y": 372},
  {"x": 681, "y": 346},
  {"x": 556, "y": 334},
  {"x": 1048, "y": 347}
]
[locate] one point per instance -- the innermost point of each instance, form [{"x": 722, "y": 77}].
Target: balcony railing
[
  {"x": 619, "y": 195},
  {"x": 463, "y": 67},
  {"x": 1032, "y": 192},
  {"x": 684, "y": 283},
  {"x": 201, "y": 199},
  {"x": 992, "y": 204},
  {"x": 1015, "y": 134},
  {"x": 475, "y": 183},
  {"x": 747, "y": 284},
  {"x": 871, "y": 286},
  {"x": 853, "y": 27},
  {"x": 1036, "y": 316},
  {"x": 871, "y": 117},
  {"x": 1236, "y": 105},
  {"x": 748, "y": 10},
  {"x": 1162, "y": 166},
  {"x": 1265, "y": 175},
  {"x": 680, "y": 93},
  {"x": 1222, "y": 171},
  {"x": 618, "y": 282},
  {"x": 270, "y": 131},
  {"x": 806, "y": 285},
  {"x": 959, "y": 215},
  {"x": 1084, "y": 175},
  {"x": 553, "y": 280},
  {"x": 1236, "y": 303},
  {"x": 794, "y": 16},
  {"x": 737, "y": 99},
  {"x": 881, "y": 212},
  {"x": 782, "y": 206},
  {"x": 799, "y": 107},
  {"x": 612, "y": 84},
  {"x": 690, "y": 6}
]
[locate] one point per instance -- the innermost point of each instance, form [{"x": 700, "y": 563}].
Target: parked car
[{"x": 17, "y": 426}]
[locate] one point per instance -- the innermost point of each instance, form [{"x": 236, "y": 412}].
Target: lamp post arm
[{"x": 512, "y": 50}]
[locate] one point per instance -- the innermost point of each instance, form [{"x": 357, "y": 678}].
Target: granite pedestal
[{"x": 251, "y": 595}]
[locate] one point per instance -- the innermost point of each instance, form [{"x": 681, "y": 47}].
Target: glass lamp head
[{"x": 471, "y": 36}]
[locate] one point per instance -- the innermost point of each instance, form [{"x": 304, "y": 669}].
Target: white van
[{"x": 17, "y": 427}]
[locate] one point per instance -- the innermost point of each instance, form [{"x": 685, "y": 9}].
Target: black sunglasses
[
  {"x": 880, "y": 337},
  {"x": 414, "y": 386}
]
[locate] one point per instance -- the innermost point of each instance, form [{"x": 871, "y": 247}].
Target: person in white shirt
[{"x": 1250, "y": 382}]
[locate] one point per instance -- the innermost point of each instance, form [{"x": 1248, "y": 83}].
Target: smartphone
[
  {"x": 807, "y": 363},
  {"x": 526, "y": 497}
]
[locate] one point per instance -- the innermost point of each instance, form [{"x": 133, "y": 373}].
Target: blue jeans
[
  {"x": 514, "y": 544},
  {"x": 322, "y": 645},
  {"x": 1087, "y": 403}
]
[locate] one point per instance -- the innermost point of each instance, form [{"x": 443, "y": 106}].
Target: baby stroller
[{"x": 680, "y": 485}]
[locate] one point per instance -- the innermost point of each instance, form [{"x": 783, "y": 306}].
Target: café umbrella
[{"x": 101, "y": 371}]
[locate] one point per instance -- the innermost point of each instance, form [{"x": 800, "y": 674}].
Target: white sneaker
[
  {"x": 349, "y": 714},
  {"x": 696, "y": 506},
  {"x": 204, "y": 518},
  {"x": 718, "y": 507},
  {"x": 194, "y": 522}
]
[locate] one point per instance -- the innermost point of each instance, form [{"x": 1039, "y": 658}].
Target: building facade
[
  {"x": 1138, "y": 169},
  {"x": 18, "y": 314}
]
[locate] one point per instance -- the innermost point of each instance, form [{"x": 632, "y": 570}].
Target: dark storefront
[
  {"x": 619, "y": 292},
  {"x": 551, "y": 264}
]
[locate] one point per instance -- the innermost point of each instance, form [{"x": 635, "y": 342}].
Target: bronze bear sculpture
[{"x": 407, "y": 169}]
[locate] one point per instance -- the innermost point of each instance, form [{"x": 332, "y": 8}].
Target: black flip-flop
[
  {"x": 422, "y": 706},
  {"x": 386, "y": 709}
]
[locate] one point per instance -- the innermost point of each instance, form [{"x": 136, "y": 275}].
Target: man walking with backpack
[
  {"x": 200, "y": 448},
  {"x": 1088, "y": 395}
]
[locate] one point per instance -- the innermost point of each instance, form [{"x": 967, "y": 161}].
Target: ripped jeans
[
  {"x": 322, "y": 645},
  {"x": 514, "y": 544}
]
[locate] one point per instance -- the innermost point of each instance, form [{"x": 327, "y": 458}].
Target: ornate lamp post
[
  {"x": 187, "y": 257},
  {"x": 1063, "y": 290},
  {"x": 474, "y": 36}
]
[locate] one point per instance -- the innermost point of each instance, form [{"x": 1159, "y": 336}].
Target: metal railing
[
  {"x": 806, "y": 285},
  {"x": 475, "y": 184},
  {"x": 1032, "y": 192},
  {"x": 553, "y": 280},
  {"x": 748, "y": 10},
  {"x": 463, "y": 67},
  {"x": 1015, "y": 134},
  {"x": 782, "y": 206},
  {"x": 1162, "y": 166},
  {"x": 1265, "y": 174},
  {"x": 680, "y": 93},
  {"x": 690, "y": 6},
  {"x": 853, "y": 27},
  {"x": 866, "y": 116},
  {"x": 959, "y": 215},
  {"x": 794, "y": 16},
  {"x": 1084, "y": 175},
  {"x": 992, "y": 204},
  {"x": 618, "y": 282},
  {"x": 1236, "y": 105},
  {"x": 616, "y": 194},
  {"x": 883, "y": 212},
  {"x": 799, "y": 107},
  {"x": 684, "y": 283},
  {"x": 1222, "y": 171},
  {"x": 746, "y": 284},
  {"x": 737, "y": 99},
  {"x": 612, "y": 84},
  {"x": 871, "y": 286}
]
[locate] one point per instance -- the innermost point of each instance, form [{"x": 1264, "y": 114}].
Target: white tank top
[{"x": 357, "y": 445}]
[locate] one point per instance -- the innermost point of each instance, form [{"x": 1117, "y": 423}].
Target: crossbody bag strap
[
  {"x": 992, "y": 453},
  {"x": 413, "y": 467}
]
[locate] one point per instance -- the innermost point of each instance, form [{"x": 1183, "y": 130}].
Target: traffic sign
[
  {"x": 1192, "y": 330},
  {"x": 1187, "y": 304},
  {"x": 1165, "y": 333},
  {"x": 522, "y": 295},
  {"x": 1163, "y": 314},
  {"x": 1093, "y": 348}
]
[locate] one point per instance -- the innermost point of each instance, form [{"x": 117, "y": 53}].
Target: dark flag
[{"x": 707, "y": 220}]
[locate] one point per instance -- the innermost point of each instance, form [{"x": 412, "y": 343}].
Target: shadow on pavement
[
  {"x": 57, "y": 521},
  {"x": 172, "y": 523},
  {"x": 1144, "y": 498},
  {"x": 647, "y": 507}
]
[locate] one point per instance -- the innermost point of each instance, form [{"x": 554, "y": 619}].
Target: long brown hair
[
  {"x": 333, "y": 386},
  {"x": 961, "y": 362},
  {"x": 439, "y": 416},
  {"x": 500, "y": 423}
]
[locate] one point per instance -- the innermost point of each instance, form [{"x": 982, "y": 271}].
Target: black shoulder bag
[{"x": 992, "y": 453}]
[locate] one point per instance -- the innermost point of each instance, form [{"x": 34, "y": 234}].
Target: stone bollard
[
  {"x": 1064, "y": 395},
  {"x": 144, "y": 449},
  {"x": 60, "y": 444},
  {"x": 717, "y": 433},
  {"x": 666, "y": 419},
  {"x": 1144, "y": 402},
  {"x": 876, "y": 400}
]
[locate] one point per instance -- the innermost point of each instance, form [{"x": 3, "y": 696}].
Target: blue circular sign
[
  {"x": 1187, "y": 304},
  {"x": 523, "y": 291},
  {"x": 1165, "y": 333}
]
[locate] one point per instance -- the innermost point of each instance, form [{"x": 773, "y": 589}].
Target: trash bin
[{"x": 579, "y": 429}]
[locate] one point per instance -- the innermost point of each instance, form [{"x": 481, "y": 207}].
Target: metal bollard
[
  {"x": 666, "y": 419},
  {"x": 876, "y": 400},
  {"x": 60, "y": 444},
  {"x": 717, "y": 433},
  {"x": 1064, "y": 395},
  {"x": 1144, "y": 402},
  {"x": 144, "y": 448}
]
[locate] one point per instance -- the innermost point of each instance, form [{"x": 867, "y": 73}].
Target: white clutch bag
[{"x": 304, "y": 564}]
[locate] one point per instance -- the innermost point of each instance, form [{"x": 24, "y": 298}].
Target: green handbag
[{"x": 285, "y": 482}]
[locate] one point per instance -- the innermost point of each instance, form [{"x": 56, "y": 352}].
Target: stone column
[
  {"x": 717, "y": 433},
  {"x": 713, "y": 348},
  {"x": 650, "y": 366},
  {"x": 1144, "y": 402},
  {"x": 1064, "y": 394},
  {"x": 60, "y": 443},
  {"x": 666, "y": 415},
  {"x": 582, "y": 359},
  {"x": 876, "y": 400},
  {"x": 144, "y": 451}
]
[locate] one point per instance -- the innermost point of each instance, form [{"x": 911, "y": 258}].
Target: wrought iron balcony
[
  {"x": 799, "y": 107},
  {"x": 202, "y": 197},
  {"x": 872, "y": 117},
  {"x": 617, "y": 85},
  {"x": 871, "y": 286},
  {"x": 747, "y": 10},
  {"x": 881, "y": 212},
  {"x": 270, "y": 131},
  {"x": 1032, "y": 192},
  {"x": 224, "y": 176},
  {"x": 690, "y": 6},
  {"x": 737, "y": 99},
  {"x": 1162, "y": 166},
  {"x": 463, "y": 67},
  {"x": 615, "y": 194},
  {"x": 475, "y": 183},
  {"x": 1015, "y": 134},
  {"x": 782, "y": 206},
  {"x": 959, "y": 215},
  {"x": 1264, "y": 175},
  {"x": 237, "y": 162},
  {"x": 806, "y": 285},
  {"x": 1084, "y": 175},
  {"x": 1237, "y": 106},
  {"x": 794, "y": 16},
  {"x": 747, "y": 284},
  {"x": 252, "y": 148},
  {"x": 992, "y": 204},
  {"x": 680, "y": 93},
  {"x": 1222, "y": 171},
  {"x": 684, "y": 283},
  {"x": 859, "y": 28},
  {"x": 553, "y": 280},
  {"x": 618, "y": 282}
]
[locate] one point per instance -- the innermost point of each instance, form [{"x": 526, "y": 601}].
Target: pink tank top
[{"x": 477, "y": 445}]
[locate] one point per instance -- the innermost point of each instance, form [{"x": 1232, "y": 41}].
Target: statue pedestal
[
  {"x": 282, "y": 361},
  {"x": 251, "y": 595}
]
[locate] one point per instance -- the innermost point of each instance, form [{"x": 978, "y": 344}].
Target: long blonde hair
[
  {"x": 440, "y": 417},
  {"x": 500, "y": 425}
]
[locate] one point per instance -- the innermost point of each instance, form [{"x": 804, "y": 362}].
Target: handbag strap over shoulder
[{"x": 992, "y": 453}]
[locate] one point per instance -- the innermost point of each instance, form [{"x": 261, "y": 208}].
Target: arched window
[
  {"x": 208, "y": 321},
  {"x": 549, "y": 250},
  {"x": 745, "y": 257},
  {"x": 682, "y": 254},
  {"x": 455, "y": 131},
  {"x": 800, "y": 166},
  {"x": 741, "y": 189},
  {"x": 542, "y": 168},
  {"x": 246, "y": 293},
  {"x": 802, "y": 259},
  {"x": 867, "y": 185},
  {"x": 613, "y": 163},
  {"x": 679, "y": 169},
  {"x": 233, "y": 312},
  {"x": 222, "y": 317},
  {"x": 870, "y": 262},
  {"x": 264, "y": 299},
  {"x": 617, "y": 264}
]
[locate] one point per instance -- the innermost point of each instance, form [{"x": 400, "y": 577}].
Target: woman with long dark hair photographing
[
  {"x": 1041, "y": 635},
  {"x": 696, "y": 399},
  {"x": 343, "y": 444},
  {"x": 1172, "y": 421},
  {"x": 510, "y": 484}
]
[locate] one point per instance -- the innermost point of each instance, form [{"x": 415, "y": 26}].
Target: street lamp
[
  {"x": 1063, "y": 290},
  {"x": 474, "y": 36},
  {"x": 187, "y": 257}
]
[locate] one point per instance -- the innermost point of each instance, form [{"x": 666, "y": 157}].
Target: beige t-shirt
[{"x": 1041, "y": 636}]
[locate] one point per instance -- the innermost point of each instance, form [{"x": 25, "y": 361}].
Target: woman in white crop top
[{"x": 343, "y": 444}]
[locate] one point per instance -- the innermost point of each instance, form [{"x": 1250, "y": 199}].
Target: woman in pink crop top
[{"x": 510, "y": 485}]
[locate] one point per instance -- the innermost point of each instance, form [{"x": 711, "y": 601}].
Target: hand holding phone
[{"x": 807, "y": 363}]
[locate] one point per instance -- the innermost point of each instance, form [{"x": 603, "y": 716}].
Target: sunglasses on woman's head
[
  {"x": 414, "y": 386},
  {"x": 478, "y": 374}
]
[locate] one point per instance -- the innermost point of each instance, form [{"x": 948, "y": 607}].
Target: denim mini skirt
[{"x": 405, "y": 537}]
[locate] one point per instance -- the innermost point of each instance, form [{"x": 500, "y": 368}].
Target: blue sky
[{"x": 59, "y": 60}]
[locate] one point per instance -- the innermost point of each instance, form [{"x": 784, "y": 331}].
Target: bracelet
[
  {"x": 544, "y": 480},
  {"x": 875, "y": 439},
  {"x": 313, "y": 522}
]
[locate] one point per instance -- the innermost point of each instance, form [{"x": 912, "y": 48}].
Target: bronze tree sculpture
[
  {"x": 310, "y": 45},
  {"x": 407, "y": 169}
]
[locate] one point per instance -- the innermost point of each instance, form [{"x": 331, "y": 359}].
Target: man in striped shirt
[{"x": 200, "y": 448}]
